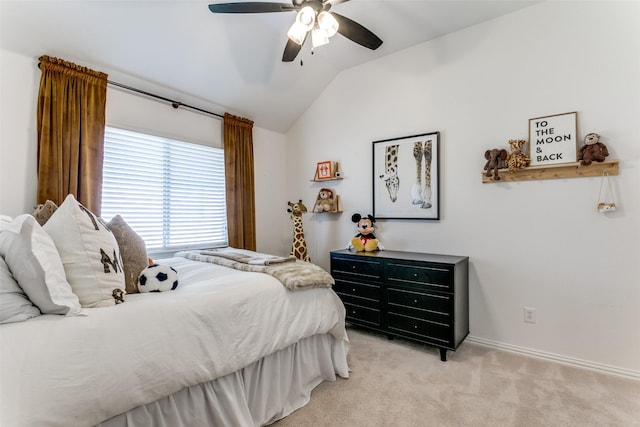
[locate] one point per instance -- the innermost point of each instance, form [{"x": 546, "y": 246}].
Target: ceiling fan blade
[
  {"x": 291, "y": 50},
  {"x": 250, "y": 7},
  {"x": 326, "y": 4},
  {"x": 356, "y": 32}
]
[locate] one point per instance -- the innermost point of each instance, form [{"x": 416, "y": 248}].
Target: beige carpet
[{"x": 396, "y": 383}]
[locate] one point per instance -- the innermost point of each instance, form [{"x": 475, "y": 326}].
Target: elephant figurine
[{"x": 495, "y": 160}]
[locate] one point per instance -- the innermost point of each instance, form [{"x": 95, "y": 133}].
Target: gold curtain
[
  {"x": 238, "y": 163},
  {"x": 71, "y": 121}
]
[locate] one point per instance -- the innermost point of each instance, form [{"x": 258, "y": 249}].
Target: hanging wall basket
[{"x": 603, "y": 206}]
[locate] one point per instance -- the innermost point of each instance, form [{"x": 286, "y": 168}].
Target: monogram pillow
[{"x": 89, "y": 252}]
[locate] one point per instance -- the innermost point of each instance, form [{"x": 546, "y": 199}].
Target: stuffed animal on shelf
[
  {"x": 326, "y": 201},
  {"x": 517, "y": 159},
  {"x": 365, "y": 240},
  {"x": 495, "y": 160},
  {"x": 592, "y": 150}
]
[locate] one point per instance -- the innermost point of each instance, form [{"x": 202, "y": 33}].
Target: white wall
[
  {"x": 270, "y": 173},
  {"x": 19, "y": 81},
  {"x": 18, "y": 149},
  {"x": 539, "y": 244}
]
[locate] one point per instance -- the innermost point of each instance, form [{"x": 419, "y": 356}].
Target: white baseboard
[{"x": 565, "y": 360}]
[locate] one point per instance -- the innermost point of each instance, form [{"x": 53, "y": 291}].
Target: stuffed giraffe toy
[
  {"x": 517, "y": 159},
  {"x": 299, "y": 246}
]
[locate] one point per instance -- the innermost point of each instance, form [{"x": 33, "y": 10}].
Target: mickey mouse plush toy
[{"x": 365, "y": 240}]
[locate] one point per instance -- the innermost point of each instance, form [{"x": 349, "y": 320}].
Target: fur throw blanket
[{"x": 294, "y": 274}]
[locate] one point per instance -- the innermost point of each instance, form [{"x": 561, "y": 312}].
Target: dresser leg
[{"x": 443, "y": 354}]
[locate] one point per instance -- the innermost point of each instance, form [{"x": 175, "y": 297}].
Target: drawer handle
[
  {"x": 415, "y": 274},
  {"x": 415, "y": 326},
  {"x": 353, "y": 267},
  {"x": 353, "y": 290},
  {"x": 353, "y": 312},
  {"x": 415, "y": 301}
]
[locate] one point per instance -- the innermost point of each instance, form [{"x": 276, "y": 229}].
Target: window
[{"x": 172, "y": 193}]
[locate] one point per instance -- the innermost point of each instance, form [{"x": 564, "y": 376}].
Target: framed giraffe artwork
[
  {"x": 406, "y": 177},
  {"x": 324, "y": 170}
]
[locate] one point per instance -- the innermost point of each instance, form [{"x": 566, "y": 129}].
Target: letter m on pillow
[{"x": 106, "y": 261}]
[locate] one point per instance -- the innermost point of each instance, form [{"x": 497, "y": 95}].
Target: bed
[{"x": 225, "y": 348}]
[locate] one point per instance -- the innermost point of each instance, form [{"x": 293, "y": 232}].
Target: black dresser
[{"x": 422, "y": 297}]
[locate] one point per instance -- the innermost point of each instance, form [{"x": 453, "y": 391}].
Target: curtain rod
[{"x": 174, "y": 104}]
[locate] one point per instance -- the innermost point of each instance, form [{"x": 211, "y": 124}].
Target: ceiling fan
[{"x": 313, "y": 17}]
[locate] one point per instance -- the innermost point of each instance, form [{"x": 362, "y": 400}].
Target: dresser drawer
[
  {"x": 420, "y": 328},
  {"x": 363, "y": 315},
  {"x": 420, "y": 304},
  {"x": 357, "y": 289},
  {"x": 439, "y": 277},
  {"x": 350, "y": 267}
]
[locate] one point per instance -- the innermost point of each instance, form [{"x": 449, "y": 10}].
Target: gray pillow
[
  {"x": 14, "y": 304},
  {"x": 132, "y": 249}
]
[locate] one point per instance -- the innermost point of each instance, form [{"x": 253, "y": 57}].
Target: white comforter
[{"x": 78, "y": 371}]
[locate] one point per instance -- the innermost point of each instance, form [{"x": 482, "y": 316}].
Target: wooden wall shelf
[
  {"x": 325, "y": 180},
  {"x": 559, "y": 171}
]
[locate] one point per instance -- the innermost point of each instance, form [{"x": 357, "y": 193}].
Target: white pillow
[
  {"x": 89, "y": 253},
  {"x": 35, "y": 263},
  {"x": 14, "y": 304}
]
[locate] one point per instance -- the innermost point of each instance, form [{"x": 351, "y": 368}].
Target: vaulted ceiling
[{"x": 225, "y": 62}]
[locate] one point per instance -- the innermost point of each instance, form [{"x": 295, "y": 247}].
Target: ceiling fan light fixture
[
  {"x": 328, "y": 23},
  {"x": 297, "y": 33},
  {"x": 319, "y": 36},
  {"x": 306, "y": 17}
]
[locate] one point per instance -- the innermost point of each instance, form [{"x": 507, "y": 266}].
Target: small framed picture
[
  {"x": 324, "y": 170},
  {"x": 552, "y": 139}
]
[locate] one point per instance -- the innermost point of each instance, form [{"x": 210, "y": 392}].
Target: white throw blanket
[{"x": 294, "y": 274}]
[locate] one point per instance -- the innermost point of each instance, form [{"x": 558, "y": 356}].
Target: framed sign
[
  {"x": 324, "y": 170},
  {"x": 553, "y": 139},
  {"x": 406, "y": 183}
]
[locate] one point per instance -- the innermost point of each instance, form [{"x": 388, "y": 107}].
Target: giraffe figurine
[
  {"x": 299, "y": 246},
  {"x": 390, "y": 175}
]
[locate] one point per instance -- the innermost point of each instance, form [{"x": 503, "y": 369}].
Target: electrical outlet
[{"x": 530, "y": 315}]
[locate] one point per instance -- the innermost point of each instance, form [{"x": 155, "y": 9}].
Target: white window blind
[{"x": 172, "y": 193}]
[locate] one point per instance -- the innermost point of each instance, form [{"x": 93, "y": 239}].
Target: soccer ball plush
[{"x": 157, "y": 278}]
